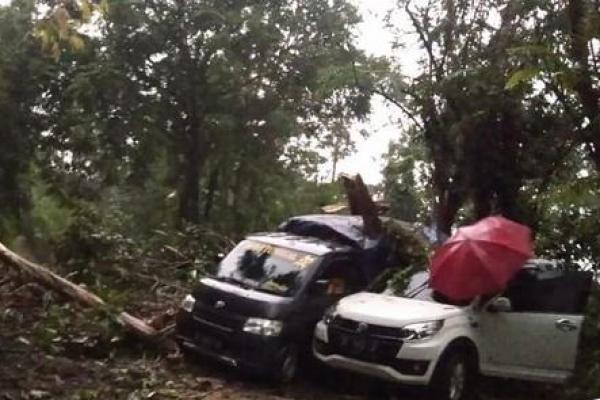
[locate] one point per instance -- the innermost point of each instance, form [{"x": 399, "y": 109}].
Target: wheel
[
  {"x": 454, "y": 376},
  {"x": 289, "y": 365}
]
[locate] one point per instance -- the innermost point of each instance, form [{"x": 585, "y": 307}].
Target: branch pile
[{"x": 53, "y": 281}]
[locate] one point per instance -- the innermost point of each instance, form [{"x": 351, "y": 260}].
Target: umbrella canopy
[{"x": 480, "y": 258}]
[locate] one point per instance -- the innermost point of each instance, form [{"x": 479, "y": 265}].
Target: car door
[{"x": 538, "y": 338}]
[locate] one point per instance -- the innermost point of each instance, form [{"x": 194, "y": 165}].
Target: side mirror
[
  {"x": 500, "y": 304},
  {"x": 218, "y": 258},
  {"x": 319, "y": 287}
]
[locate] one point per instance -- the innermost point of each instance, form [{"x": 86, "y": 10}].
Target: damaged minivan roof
[{"x": 307, "y": 244}]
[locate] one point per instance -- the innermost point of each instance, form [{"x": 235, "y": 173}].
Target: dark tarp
[
  {"x": 378, "y": 254},
  {"x": 346, "y": 229}
]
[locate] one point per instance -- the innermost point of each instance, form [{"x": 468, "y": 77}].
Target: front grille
[
  {"x": 371, "y": 343},
  {"x": 381, "y": 332},
  {"x": 208, "y": 331},
  {"x": 218, "y": 319}
]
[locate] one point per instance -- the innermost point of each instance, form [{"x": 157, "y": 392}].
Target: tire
[
  {"x": 454, "y": 376},
  {"x": 289, "y": 366}
]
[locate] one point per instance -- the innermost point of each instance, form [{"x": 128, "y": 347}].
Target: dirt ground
[{"x": 51, "y": 349}]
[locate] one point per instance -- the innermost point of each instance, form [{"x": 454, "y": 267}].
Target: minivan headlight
[
  {"x": 421, "y": 330},
  {"x": 264, "y": 327},
  {"x": 188, "y": 303}
]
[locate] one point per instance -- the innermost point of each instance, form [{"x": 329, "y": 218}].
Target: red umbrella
[{"x": 480, "y": 258}]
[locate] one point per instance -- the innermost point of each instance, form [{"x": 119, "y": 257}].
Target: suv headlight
[
  {"x": 188, "y": 303},
  {"x": 421, "y": 330},
  {"x": 329, "y": 314},
  {"x": 264, "y": 327}
]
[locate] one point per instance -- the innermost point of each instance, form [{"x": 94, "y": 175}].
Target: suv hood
[{"x": 379, "y": 309}]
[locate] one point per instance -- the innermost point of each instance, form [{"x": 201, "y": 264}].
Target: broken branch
[{"x": 52, "y": 281}]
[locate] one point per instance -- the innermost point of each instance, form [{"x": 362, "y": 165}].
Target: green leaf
[
  {"x": 524, "y": 75},
  {"x": 76, "y": 42},
  {"x": 86, "y": 10},
  {"x": 530, "y": 50},
  {"x": 567, "y": 78}
]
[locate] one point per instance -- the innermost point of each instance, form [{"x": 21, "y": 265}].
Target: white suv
[{"x": 529, "y": 332}]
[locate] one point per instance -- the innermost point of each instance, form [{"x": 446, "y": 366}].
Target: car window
[
  {"x": 416, "y": 286},
  {"x": 345, "y": 277},
  {"x": 555, "y": 292},
  {"x": 265, "y": 267}
]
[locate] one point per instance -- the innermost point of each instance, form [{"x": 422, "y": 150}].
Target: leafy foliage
[
  {"x": 146, "y": 117},
  {"x": 146, "y": 134}
]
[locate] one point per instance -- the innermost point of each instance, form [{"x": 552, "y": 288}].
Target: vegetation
[
  {"x": 130, "y": 128},
  {"x": 495, "y": 120}
]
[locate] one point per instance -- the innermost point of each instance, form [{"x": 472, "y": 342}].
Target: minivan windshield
[{"x": 265, "y": 267}]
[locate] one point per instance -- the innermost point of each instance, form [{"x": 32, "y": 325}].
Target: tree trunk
[
  {"x": 235, "y": 197},
  {"x": 334, "y": 159},
  {"x": 447, "y": 192},
  {"x": 189, "y": 201},
  {"x": 191, "y": 79},
  {"x": 361, "y": 203},
  {"x": 508, "y": 183},
  {"x": 447, "y": 205},
  {"x": 213, "y": 182},
  {"x": 482, "y": 202},
  {"x": 75, "y": 292},
  {"x": 578, "y": 11}
]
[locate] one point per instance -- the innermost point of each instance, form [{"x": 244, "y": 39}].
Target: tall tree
[
  {"x": 252, "y": 70},
  {"x": 476, "y": 131},
  {"x": 24, "y": 71},
  {"x": 561, "y": 55}
]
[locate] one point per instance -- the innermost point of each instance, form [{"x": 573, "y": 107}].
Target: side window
[
  {"x": 344, "y": 276},
  {"x": 552, "y": 292},
  {"x": 520, "y": 292}
]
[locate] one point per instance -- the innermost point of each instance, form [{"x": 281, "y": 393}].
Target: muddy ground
[{"x": 52, "y": 349}]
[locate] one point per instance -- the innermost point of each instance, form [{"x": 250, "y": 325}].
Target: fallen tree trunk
[
  {"x": 361, "y": 203},
  {"x": 408, "y": 246},
  {"x": 51, "y": 280}
]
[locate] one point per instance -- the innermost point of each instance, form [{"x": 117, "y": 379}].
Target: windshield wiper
[
  {"x": 231, "y": 279},
  {"x": 413, "y": 293},
  {"x": 266, "y": 290}
]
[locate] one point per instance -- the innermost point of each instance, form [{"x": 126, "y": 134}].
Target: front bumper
[
  {"x": 412, "y": 364},
  {"x": 230, "y": 346}
]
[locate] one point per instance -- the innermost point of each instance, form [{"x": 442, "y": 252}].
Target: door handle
[{"x": 565, "y": 325}]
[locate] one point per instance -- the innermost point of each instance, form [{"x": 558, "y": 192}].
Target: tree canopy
[
  {"x": 177, "y": 112},
  {"x": 134, "y": 125},
  {"x": 500, "y": 117}
]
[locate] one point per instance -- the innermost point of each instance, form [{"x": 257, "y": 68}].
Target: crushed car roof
[
  {"x": 305, "y": 244},
  {"x": 347, "y": 229}
]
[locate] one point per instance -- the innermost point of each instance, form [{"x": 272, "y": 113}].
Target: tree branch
[
  {"x": 424, "y": 39},
  {"x": 388, "y": 97},
  {"x": 399, "y": 104}
]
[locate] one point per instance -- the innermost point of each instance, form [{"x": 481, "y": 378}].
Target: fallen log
[
  {"x": 361, "y": 203},
  {"x": 409, "y": 247},
  {"x": 51, "y": 280}
]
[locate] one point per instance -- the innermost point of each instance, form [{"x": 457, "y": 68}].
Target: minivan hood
[
  {"x": 238, "y": 301},
  {"x": 379, "y": 309}
]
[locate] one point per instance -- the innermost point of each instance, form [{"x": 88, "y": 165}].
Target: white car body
[{"x": 538, "y": 346}]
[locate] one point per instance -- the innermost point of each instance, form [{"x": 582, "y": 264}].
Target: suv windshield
[
  {"x": 417, "y": 287},
  {"x": 260, "y": 266}
]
